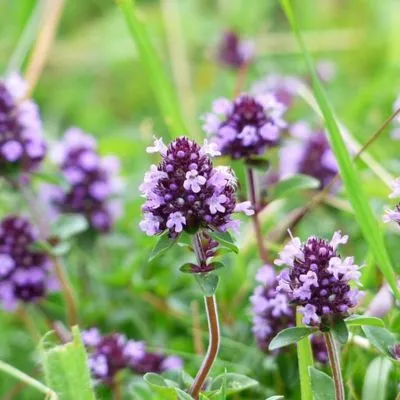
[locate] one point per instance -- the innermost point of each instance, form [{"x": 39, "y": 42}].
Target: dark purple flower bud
[
  {"x": 93, "y": 180},
  {"x": 24, "y": 273},
  {"x": 245, "y": 127},
  {"x": 318, "y": 279},
  {"x": 112, "y": 353},
  {"x": 272, "y": 311},
  {"x": 234, "y": 52},
  {"x": 186, "y": 192},
  {"x": 22, "y": 147},
  {"x": 308, "y": 153},
  {"x": 319, "y": 349}
]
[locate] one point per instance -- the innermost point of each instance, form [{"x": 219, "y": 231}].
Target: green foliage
[
  {"x": 340, "y": 331},
  {"x": 164, "y": 243},
  {"x": 381, "y": 338},
  {"x": 360, "y": 320},
  {"x": 376, "y": 379},
  {"x": 290, "y": 336},
  {"x": 66, "y": 368},
  {"x": 225, "y": 240},
  {"x": 208, "y": 283},
  {"x": 69, "y": 225},
  {"x": 322, "y": 385},
  {"x": 289, "y": 186}
]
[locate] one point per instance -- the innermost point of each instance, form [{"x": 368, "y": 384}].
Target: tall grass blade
[
  {"x": 161, "y": 83},
  {"x": 363, "y": 212}
]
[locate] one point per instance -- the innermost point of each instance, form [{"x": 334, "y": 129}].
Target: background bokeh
[{"x": 94, "y": 79}]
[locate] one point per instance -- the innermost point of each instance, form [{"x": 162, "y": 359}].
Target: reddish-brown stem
[
  {"x": 256, "y": 221},
  {"x": 240, "y": 79},
  {"x": 213, "y": 347},
  {"x": 335, "y": 365},
  {"x": 116, "y": 389}
]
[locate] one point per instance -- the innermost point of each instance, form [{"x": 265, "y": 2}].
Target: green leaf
[
  {"x": 381, "y": 338},
  {"x": 322, "y": 385},
  {"x": 360, "y": 203},
  {"x": 305, "y": 360},
  {"x": 208, "y": 283},
  {"x": 68, "y": 225},
  {"x": 61, "y": 249},
  {"x": 225, "y": 239},
  {"x": 376, "y": 379},
  {"x": 163, "y": 244},
  {"x": 260, "y": 163},
  {"x": 288, "y": 186},
  {"x": 290, "y": 336},
  {"x": 160, "y": 386},
  {"x": 55, "y": 178},
  {"x": 183, "y": 395},
  {"x": 187, "y": 268},
  {"x": 66, "y": 368},
  {"x": 161, "y": 83},
  {"x": 340, "y": 330},
  {"x": 234, "y": 383},
  {"x": 359, "y": 320},
  {"x": 275, "y": 398}
]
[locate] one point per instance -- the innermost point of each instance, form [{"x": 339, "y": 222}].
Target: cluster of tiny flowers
[
  {"x": 272, "y": 311},
  {"x": 24, "y": 273},
  {"x": 234, "y": 52},
  {"x": 308, "y": 153},
  {"x": 109, "y": 354},
  {"x": 393, "y": 215},
  {"x": 21, "y": 143},
  {"x": 396, "y": 130},
  {"x": 186, "y": 192},
  {"x": 93, "y": 181},
  {"x": 246, "y": 126},
  {"x": 284, "y": 88},
  {"x": 318, "y": 279}
]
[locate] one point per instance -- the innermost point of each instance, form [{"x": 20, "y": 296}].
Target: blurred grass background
[{"x": 94, "y": 79}]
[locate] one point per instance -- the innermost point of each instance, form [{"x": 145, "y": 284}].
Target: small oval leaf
[
  {"x": 208, "y": 283},
  {"x": 163, "y": 244},
  {"x": 290, "y": 336},
  {"x": 360, "y": 320},
  {"x": 322, "y": 385},
  {"x": 295, "y": 183}
]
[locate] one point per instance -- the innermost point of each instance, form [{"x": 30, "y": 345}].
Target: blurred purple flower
[
  {"x": 246, "y": 126},
  {"x": 234, "y": 52},
  {"x": 318, "y": 279},
  {"x": 319, "y": 349},
  {"x": 272, "y": 311},
  {"x": 112, "y": 353},
  {"x": 94, "y": 182},
  {"x": 24, "y": 273},
  {"x": 393, "y": 215},
  {"x": 308, "y": 153},
  {"x": 185, "y": 191},
  {"x": 395, "y": 350},
  {"x": 21, "y": 143}
]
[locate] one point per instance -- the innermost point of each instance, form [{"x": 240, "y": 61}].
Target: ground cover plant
[{"x": 199, "y": 200}]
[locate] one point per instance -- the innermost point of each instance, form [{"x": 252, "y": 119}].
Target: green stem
[
  {"x": 305, "y": 360},
  {"x": 21, "y": 376},
  {"x": 335, "y": 365}
]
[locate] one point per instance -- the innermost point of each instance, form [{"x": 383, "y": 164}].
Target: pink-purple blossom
[
  {"x": 233, "y": 51},
  {"x": 22, "y": 146},
  {"x": 246, "y": 126},
  {"x": 186, "y": 192},
  {"x": 318, "y": 279}
]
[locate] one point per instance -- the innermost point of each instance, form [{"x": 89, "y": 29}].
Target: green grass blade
[
  {"x": 305, "y": 360},
  {"x": 363, "y": 212},
  {"x": 161, "y": 83}
]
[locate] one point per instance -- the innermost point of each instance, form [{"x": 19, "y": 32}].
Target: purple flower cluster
[
  {"x": 308, "y": 153},
  {"x": 22, "y": 147},
  {"x": 393, "y": 215},
  {"x": 319, "y": 349},
  {"x": 246, "y": 126},
  {"x": 272, "y": 311},
  {"x": 93, "y": 181},
  {"x": 234, "y": 52},
  {"x": 24, "y": 273},
  {"x": 318, "y": 279},
  {"x": 186, "y": 192},
  {"x": 109, "y": 354},
  {"x": 284, "y": 88}
]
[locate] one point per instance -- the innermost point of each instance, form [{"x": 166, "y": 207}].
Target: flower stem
[
  {"x": 256, "y": 222},
  {"x": 335, "y": 365},
  {"x": 213, "y": 328},
  {"x": 213, "y": 347}
]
